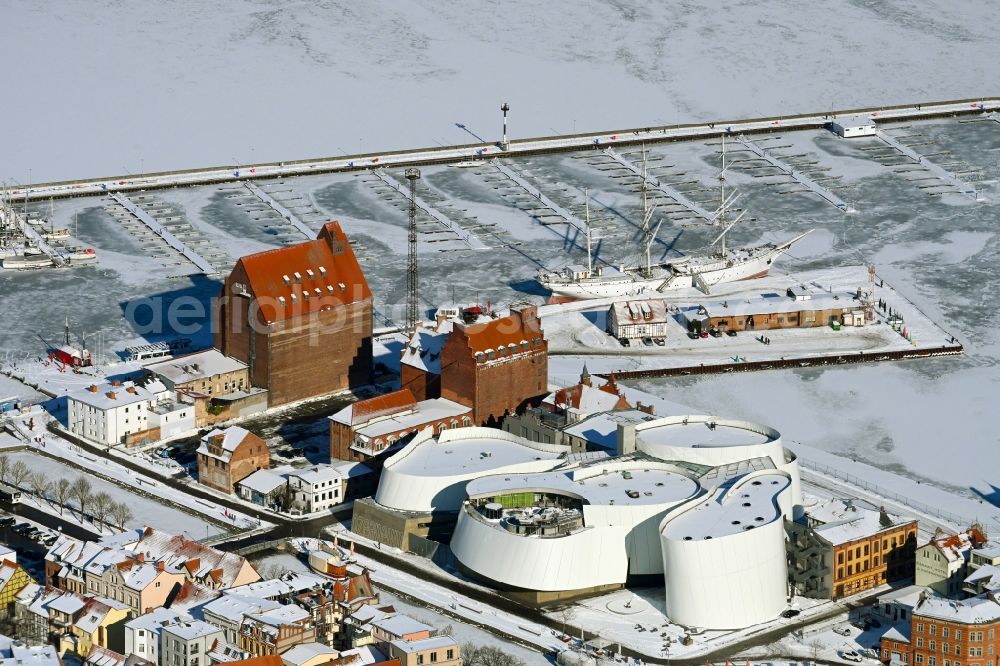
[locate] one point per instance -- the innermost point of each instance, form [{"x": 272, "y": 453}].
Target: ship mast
[
  {"x": 590, "y": 261},
  {"x": 647, "y": 215},
  {"x": 722, "y": 203}
]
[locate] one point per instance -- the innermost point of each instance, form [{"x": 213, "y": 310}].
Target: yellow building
[
  {"x": 13, "y": 579},
  {"x": 101, "y": 623}
]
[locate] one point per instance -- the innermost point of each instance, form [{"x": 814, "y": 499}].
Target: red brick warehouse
[{"x": 300, "y": 317}]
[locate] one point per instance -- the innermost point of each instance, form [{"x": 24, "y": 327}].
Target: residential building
[
  {"x": 25, "y": 653},
  {"x": 321, "y": 487},
  {"x": 842, "y": 547},
  {"x": 127, "y": 413},
  {"x": 100, "y": 623},
  {"x": 13, "y": 579},
  {"x": 799, "y": 308},
  {"x": 639, "y": 319},
  {"x": 208, "y": 372},
  {"x": 369, "y": 429},
  {"x": 275, "y": 631},
  {"x": 230, "y": 455},
  {"x": 144, "y": 568},
  {"x": 896, "y": 607},
  {"x": 420, "y": 361},
  {"x": 498, "y": 367},
  {"x": 265, "y": 487},
  {"x": 188, "y": 642},
  {"x": 397, "y": 626},
  {"x": 142, "y": 634},
  {"x": 943, "y": 562},
  {"x": 227, "y": 612},
  {"x": 583, "y": 399},
  {"x": 31, "y": 614},
  {"x": 946, "y": 632},
  {"x": 101, "y": 656},
  {"x": 217, "y": 385},
  {"x": 309, "y": 654},
  {"x": 440, "y": 650},
  {"x": 300, "y": 317}
]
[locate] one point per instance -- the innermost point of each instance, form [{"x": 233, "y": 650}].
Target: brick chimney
[
  {"x": 160, "y": 566},
  {"x": 93, "y": 388},
  {"x": 131, "y": 389},
  {"x": 111, "y": 395},
  {"x": 116, "y": 382}
]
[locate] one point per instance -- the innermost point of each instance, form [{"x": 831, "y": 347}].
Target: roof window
[
  {"x": 329, "y": 288},
  {"x": 281, "y": 299},
  {"x": 343, "y": 287},
  {"x": 293, "y": 298},
  {"x": 298, "y": 276},
  {"x": 286, "y": 279},
  {"x": 309, "y": 272},
  {"x": 322, "y": 270}
]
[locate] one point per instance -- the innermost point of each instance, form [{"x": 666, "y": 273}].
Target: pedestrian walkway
[
  {"x": 286, "y": 214},
  {"x": 548, "y": 203},
  {"x": 666, "y": 189},
  {"x": 168, "y": 238},
  {"x": 936, "y": 170},
  {"x": 796, "y": 175}
]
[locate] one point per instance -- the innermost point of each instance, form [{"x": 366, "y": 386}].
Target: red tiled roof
[
  {"x": 321, "y": 274},
  {"x": 390, "y": 403},
  {"x": 266, "y": 660},
  {"x": 502, "y": 332}
]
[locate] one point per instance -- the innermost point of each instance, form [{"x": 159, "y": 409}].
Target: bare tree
[
  {"x": 63, "y": 490},
  {"x": 274, "y": 570},
  {"x": 18, "y": 473},
  {"x": 121, "y": 514},
  {"x": 102, "y": 503},
  {"x": 816, "y": 648},
  {"x": 488, "y": 655},
  {"x": 4, "y": 468},
  {"x": 81, "y": 492},
  {"x": 40, "y": 485},
  {"x": 566, "y": 614}
]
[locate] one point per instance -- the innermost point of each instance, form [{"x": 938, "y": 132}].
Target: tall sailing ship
[{"x": 702, "y": 272}]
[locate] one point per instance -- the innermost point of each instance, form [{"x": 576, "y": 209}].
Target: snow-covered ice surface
[
  {"x": 938, "y": 252},
  {"x": 260, "y": 80}
]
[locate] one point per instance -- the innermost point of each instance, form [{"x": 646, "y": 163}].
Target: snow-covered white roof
[
  {"x": 844, "y": 521},
  {"x": 774, "y": 303},
  {"x": 601, "y": 429},
  {"x": 231, "y": 438},
  {"x": 193, "y": 367},
  {"x": 68, "y": 603},
  {"x": 234, "y": 606},
  {"x": 468, "y": 451},
  {"x": 854, "y": 121},
  {"x": 263, "y": 481},
  {"x": 106, "y": 395},
  {"x": 899, "y": 632},
  {"x": 610, "y": 481},
  {"x": 304, "y": 652},
  {"x": 190, "y": 630},
  {"x": 427, "y": 411},
  {"x": 286, "y": 614},
  {"x": 432, "y": 643},
  {"x": 423, "y": 350},
  {"x": 367, "y": 654},
  {"x": 400, "y": 625},
  {"x": 744, "y": 506},
  {"x": 328, "y": 472},
  {"x": 640, "y": 312},
  {"x": 154, "y": 619},
  {"x": 976, "y": 610},
  {"x": 268, "y": 589},
  {"x": 989, "y": 575}
]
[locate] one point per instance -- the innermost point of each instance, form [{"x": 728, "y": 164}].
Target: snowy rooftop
[
  {"x": 154, "y": 619},
  {"x": 775, "y": 303},
  {"x": 456, "y": 453},
  {"x": 191, "y": 629},
  {"x": 235, "y": 606},
  {"x": 612, "y": 481},
  {"x": 705, "y": 432},
  {"x": 746, "y": 505},
  {"x": 977, "y": 610},
  {"x": 286, "y": 614},
  {"x": 231, "y": 438},
  {"x": 330, "y": 472},
  {"x": 427, "y": 411},
  {"x": 423, "y": 350},
  {"x": 304, "y": 652},
  {"x": 433, "y": 643},
  {"x": 844, "y": 521},
  {"x": 193, "y": 367},
  {"x": 601, "y": 429},
  {"x": 640, "y": 312},
  {"x": 400, "y": 625},
  {"x": 107, "y": 396},
  {"x": 263, "y": 481}
]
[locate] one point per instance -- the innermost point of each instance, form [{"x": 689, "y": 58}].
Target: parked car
[
  {"x": 624, "y": 342},
  {"x": 704, "y": 334},
  {"x": 790, "y": 612},
  {"x": 647, "y": 341},
  {"x": 715, "y": 333},
  {"x": 23, "y": 528},
  {"x": 693, "y": 335},
  {"x": 731, "y": 332},
  {"x": 842, "y": 630},
  {"x": 871, "y": 623},
  {"x": 659, "y": 342},
  {"x": 7, "y": 521},
  {"x": 850, "y": 655}
]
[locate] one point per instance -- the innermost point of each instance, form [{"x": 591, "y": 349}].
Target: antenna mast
[{"x": 412, "y": 175}]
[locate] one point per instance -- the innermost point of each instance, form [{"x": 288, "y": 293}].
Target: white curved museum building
[{"x": 699, "y": 500}]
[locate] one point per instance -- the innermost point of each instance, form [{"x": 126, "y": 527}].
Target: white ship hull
[
  {"x": 740, "y": 264},
  {"x": 24, "y": 263}
]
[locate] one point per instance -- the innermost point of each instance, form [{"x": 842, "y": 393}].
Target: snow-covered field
[{"x": 254, "y": 80}]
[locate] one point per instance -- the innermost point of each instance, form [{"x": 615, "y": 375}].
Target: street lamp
[{"x": 505, "y": 107}]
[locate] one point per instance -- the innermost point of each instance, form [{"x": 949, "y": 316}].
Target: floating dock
[{"x": 168, "y": 237}]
